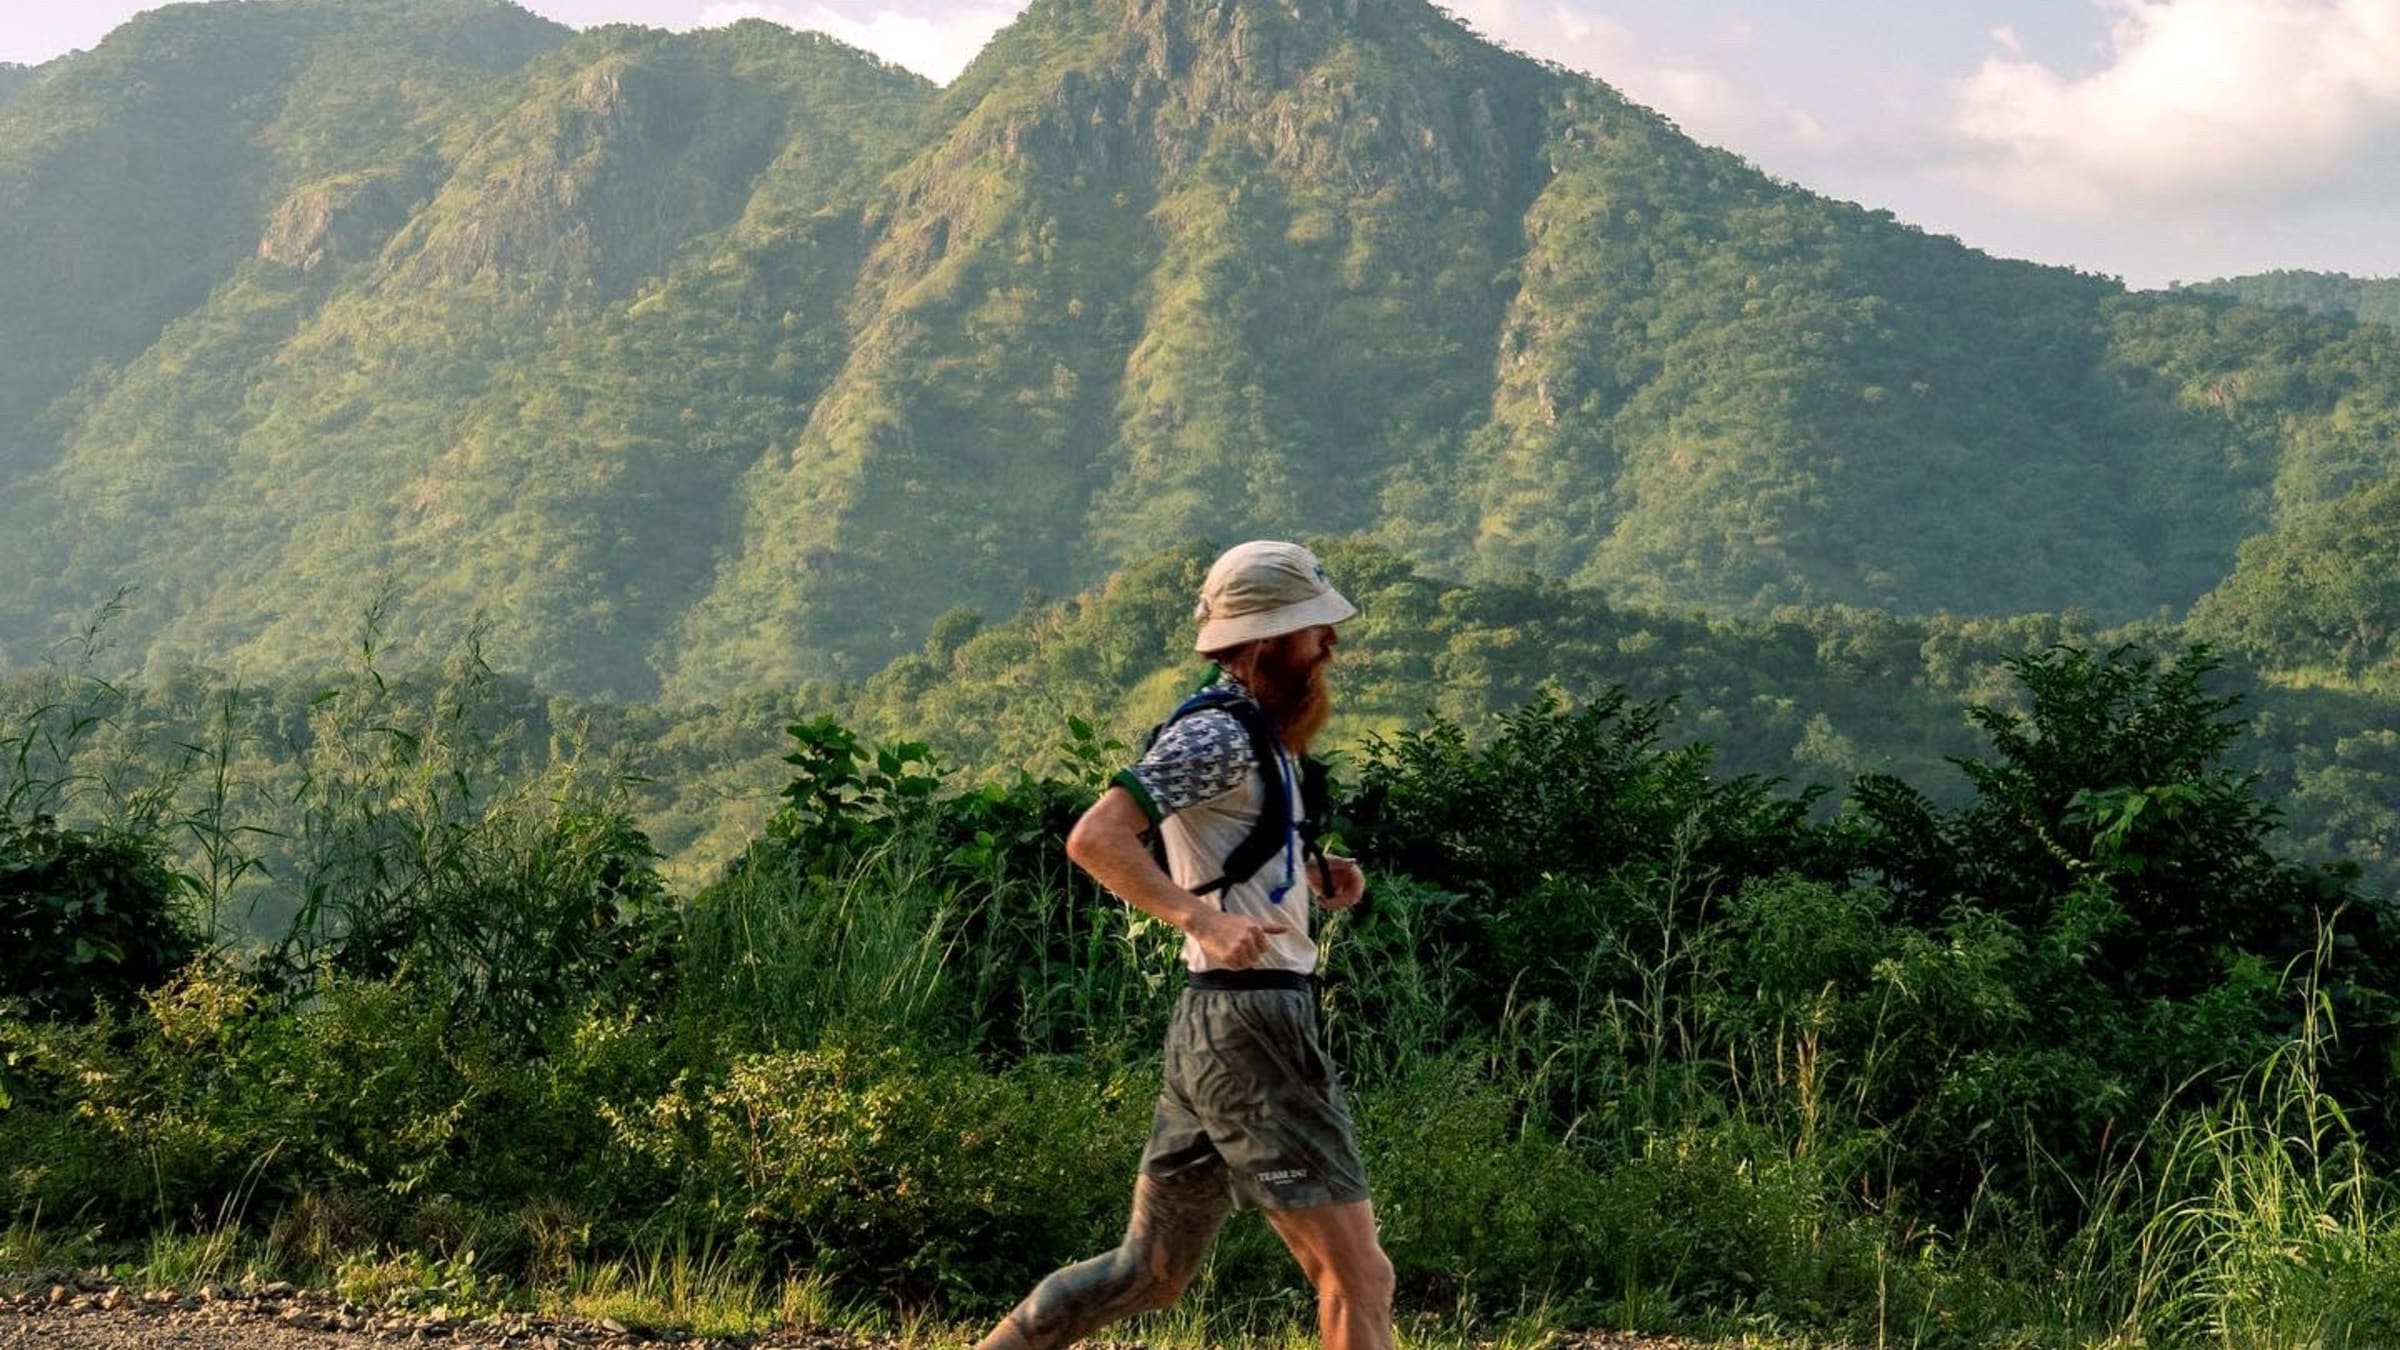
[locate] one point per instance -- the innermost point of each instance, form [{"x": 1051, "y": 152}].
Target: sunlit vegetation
[
  {"x": 1824, "y": 887},
  {"x": 708, "y": 364},
  {"x": 2333, "y": 294},
  {"x": 1632, "y": 1041}
]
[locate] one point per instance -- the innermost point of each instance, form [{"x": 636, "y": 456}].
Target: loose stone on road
[
  {"x": 75, "y": 1315},
  {"x": 67, "y": 1313}
]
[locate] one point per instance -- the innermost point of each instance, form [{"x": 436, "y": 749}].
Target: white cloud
[
  {"x": 2201, "y": 103},
  {"x": 1733, "y": 32},
  {"x": 936, "y": 42}
]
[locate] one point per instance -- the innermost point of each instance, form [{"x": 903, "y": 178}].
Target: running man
[{"x": 1251, "y": 1109}]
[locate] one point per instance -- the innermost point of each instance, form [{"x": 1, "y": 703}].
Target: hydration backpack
[{"x": 1274, "y": 824}]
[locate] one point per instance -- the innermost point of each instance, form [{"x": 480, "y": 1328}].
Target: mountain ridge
[
  {"x": 223, "y": 109},
  {"x": 735, "y": 359},
  {"x": 376, "y": 398},
  {"x": 2328, "y": 294}
]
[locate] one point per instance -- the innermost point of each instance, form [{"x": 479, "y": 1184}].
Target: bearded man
[{"x": 1252, "y": 1111}]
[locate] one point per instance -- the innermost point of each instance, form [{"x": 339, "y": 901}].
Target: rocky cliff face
[{"x": 340, "y": 221}]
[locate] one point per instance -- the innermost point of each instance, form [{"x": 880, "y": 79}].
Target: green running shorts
[{"x": 1248, "y": 1083}]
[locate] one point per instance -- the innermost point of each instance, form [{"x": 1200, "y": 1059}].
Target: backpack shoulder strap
[
  {"x": 1316, "y": 811},
  {"x": 1214, "y": 696},
  {"x": 1268, "y": 835}
]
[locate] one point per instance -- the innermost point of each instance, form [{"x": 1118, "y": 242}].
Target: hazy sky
[{"x": 2155, "y": 140}]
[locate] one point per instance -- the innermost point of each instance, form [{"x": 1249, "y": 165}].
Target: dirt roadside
[
  {"x": 66, "y": 1312},
  {"x": 70, "y": 1315}
]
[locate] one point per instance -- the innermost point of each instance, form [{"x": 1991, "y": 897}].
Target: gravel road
[{"x": 78, "y": 1315}]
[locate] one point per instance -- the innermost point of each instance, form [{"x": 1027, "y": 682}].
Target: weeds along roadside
[{"x": 1629, "y": 1044}]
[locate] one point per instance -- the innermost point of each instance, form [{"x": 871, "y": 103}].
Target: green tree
[{"x": 2322, "y": 590}]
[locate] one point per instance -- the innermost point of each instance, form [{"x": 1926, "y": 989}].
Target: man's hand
[
  {"x": 1233, "y": 941},
  {"x": 1348, "y": 881}
]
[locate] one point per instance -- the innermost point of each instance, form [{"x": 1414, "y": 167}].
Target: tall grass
[
  {"x": 2268, "y": 1225},
  {"x": 903, "y": 940},
  {"x": 704, "y": 1289},
  {"x": 909, "y": 1069}
]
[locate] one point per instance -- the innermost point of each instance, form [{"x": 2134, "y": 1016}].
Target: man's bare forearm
[{"x": 1107, "y": 843}]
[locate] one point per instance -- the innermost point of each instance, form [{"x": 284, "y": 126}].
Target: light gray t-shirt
[{"x": 1201, "y": 786}]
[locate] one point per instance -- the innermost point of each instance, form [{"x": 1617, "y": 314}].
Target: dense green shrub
[
  {"x": 912, "y": 1174},
  {"x": 1515, "y": 1211},
  {"x": 88, "y": 918},
  {"x": 889, "y": 894},
  {"x": 918, "y": 945},
  {"x": 1626, "y": 1042},
  {"x": 514, "y": 897},
  {"x": 1557, "y": 832},
  {"x": 218, "y": 1098},
  {"x": 1939, "y": 1006},
  {"x": 2142, "y": 934},
  {"x": 532, "y": 906}
]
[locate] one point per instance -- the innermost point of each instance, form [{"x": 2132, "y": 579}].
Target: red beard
[{"x": 1291, "y": 689}]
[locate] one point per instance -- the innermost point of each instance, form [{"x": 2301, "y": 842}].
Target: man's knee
[
  {"x": 1158, "y": 1293},
  {"x": 1154, "y": 1276},
  {"x": 1364, "y": 1280}
]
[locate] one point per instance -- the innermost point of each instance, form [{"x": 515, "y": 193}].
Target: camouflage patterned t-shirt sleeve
[{"x": 1204, "y": 756}]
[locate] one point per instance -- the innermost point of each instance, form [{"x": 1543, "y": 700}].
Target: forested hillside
[
  {"x": 485, "y": 398},
  {"x": 720, "y": 361},
  {"x": 137, "y": 176},
  {"x": 2319, "y": 597},
  {"x": 1818, "y": 699},
  {"x": 559, "y": 594},
  {"x": 2334, "y": 294}
]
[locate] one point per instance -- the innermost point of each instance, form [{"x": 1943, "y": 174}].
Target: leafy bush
[
  {"x": 219, "y": 1099},
  {"x": 1566, "y": 823},
  {"x": 2136, "y": 923},
  {"x": 896, "y": 1171},
  {"x": 515, "y": 900},
  {"x": 887, "y": 895},
  {"x": 89, "y": 918},
  {"x": 1514, "y": 1211}
]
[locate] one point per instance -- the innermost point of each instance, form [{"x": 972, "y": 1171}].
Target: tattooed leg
[{"x": 1174, "y": 1221}]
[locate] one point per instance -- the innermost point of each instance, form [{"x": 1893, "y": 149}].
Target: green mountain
[
  {"x": 1163, "y": 267},
  {"x": 13, "y": 80},
  {"x": 694, "y": 363},
  {"x": 2333, "y": 294},
  {"x": 138, "y": 175},
  {"x": 469, "y": 377}
]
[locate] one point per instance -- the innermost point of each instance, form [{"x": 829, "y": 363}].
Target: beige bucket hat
[{"x": 1264, "y": 589}]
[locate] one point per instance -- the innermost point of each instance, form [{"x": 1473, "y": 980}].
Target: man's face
[
  {"x": 1289, "y": 682},
  {"x": 1310, "y": 648}
]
